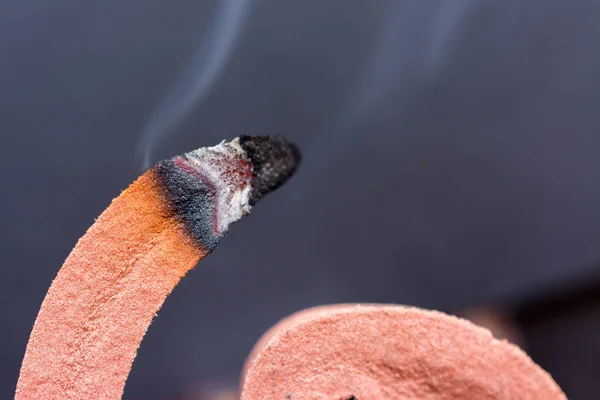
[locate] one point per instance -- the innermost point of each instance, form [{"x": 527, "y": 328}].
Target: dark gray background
[{"x": 450, "y": 155}]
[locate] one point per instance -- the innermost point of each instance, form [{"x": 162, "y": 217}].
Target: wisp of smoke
[
  {"x": 198, "y": 78},
  {"x": 444, "y": 25},
  {"x": 413, "y": 38}
]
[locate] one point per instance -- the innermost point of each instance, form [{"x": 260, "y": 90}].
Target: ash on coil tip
[
  {"x": 211, "y": 187},
  {"x": 274, "y": 159}
]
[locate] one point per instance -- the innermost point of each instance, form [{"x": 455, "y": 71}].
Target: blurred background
[{"x": 450, "y": 162}]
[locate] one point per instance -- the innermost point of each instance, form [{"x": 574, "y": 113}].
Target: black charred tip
[{"x": 274, "y": 160}]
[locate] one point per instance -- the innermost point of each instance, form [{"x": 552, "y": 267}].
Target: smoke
[
  {"x": 412, "y": 42},
  {"x": 198, "y": 78},
  {"x": 445, "y": 22}
]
